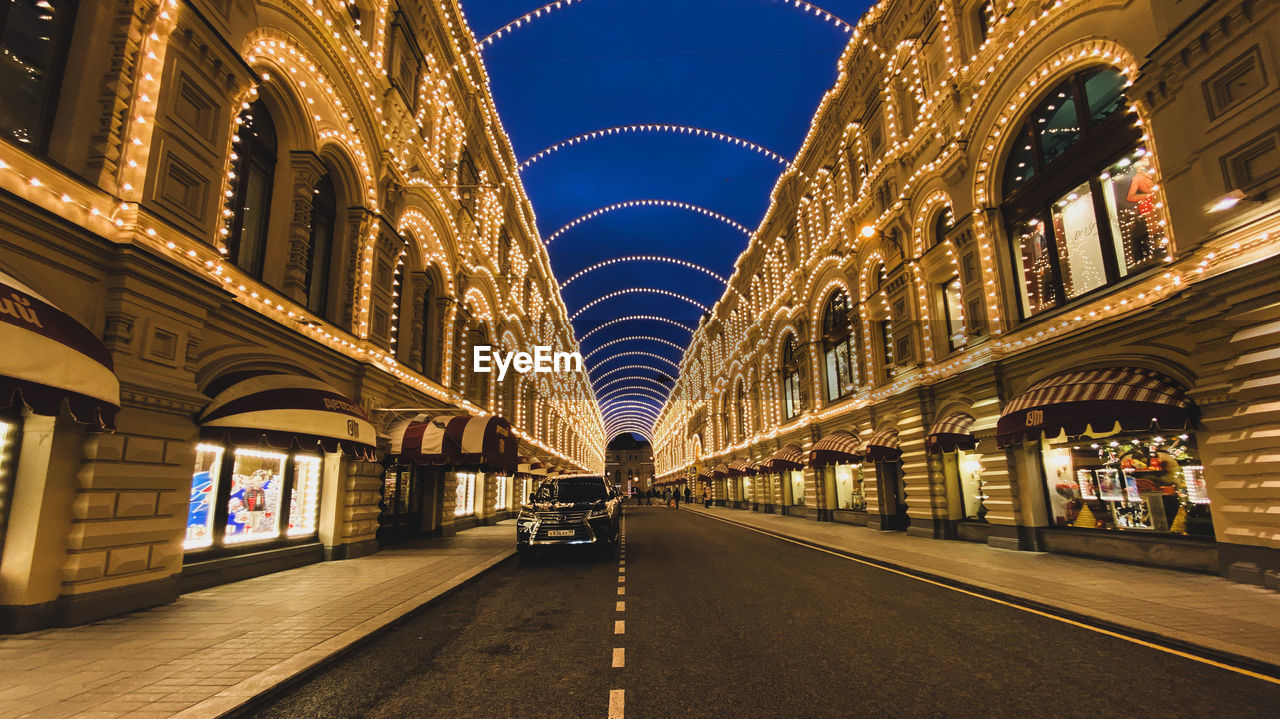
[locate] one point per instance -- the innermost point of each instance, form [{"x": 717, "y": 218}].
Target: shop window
[
  {"x": 796, "y": 478},
  {"x": 324, "y": 220},
  {"x": 8, "y": 445},
  {"x": 849, "y": 484},
  {"x": 1131, "y": 482},
  {"x": 503, "y": 487},
  {"x": 1081, "y": 195},
  {"x": 837, "y": 344},
  {"x": 254, "y": 169},
  {"x": 464, "y": 500},
  {"x": 953, "y": 311},
  {"x": 251, "y": 494},
  {"x": 747, "y": 490},
  {"x": 972, "y": 487},
  {"x": 34, "y": 38},
  {"x": 792, "y": 395}
]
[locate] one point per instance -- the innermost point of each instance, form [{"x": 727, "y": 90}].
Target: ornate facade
[
  {"x": 1055, "y": 215},
  {"x": 220, "y": 189}
]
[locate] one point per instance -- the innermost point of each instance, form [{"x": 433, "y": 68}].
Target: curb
[
  {"x": 242, "y": 699},
  {"x": 1116, "y": 625}
]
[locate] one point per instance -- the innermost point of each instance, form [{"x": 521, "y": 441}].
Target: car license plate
[{"x": 560, "y": 533}]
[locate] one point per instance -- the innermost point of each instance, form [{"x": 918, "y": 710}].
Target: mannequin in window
[{"x": 1142, "y": 193}]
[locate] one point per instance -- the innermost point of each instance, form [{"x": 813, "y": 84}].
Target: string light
[
  {"x": 634, "y": 353},
  {"x": 635, "y": 318},
  {"x": 655, "y": 128},
  {"x": 634, "y": 290},
  {"x": 646, "y": 203},
  {"x": 632, "y": 338},
  {"x": 642, "y": 258}
]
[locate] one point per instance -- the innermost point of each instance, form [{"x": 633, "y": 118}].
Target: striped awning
[
  {"x": 51, "y": 358},
  {"x": 839, "y": 447},
  {"x": 883, "y": 445},
  {"x": 531, "y": 467},
  {"x": 284, "y": 411},
  {"x": 1095, "y": 401},
  {"x": 740, "y": 468},
  {"x": 705, "y": 475},
  {"x": 720, "y": 472},
  {"x": 788, "y": 458},
  {"x": 951, "y": 433},
  {"x": 458, "y": 440}
]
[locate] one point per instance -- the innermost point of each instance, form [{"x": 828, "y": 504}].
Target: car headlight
[
  {"x": 526, "y": 515},
  {"x": 598, "y": 513}
]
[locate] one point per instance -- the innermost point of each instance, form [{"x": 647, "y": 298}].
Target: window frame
[
  {"x": 1103, "y": 144},
  {"x": 835, "y": 338},
  {"x": 789, "y": 369},
  {"x": 249, "y": 158}
]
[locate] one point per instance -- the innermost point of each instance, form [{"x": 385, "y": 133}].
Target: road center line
[
  {"x": 615, "y": 703},
  {"x": 619, "y": 657},
  {"x": 620, "y": 627},
  {"x": 622, "y": 606},
  {"x": 622, "y": 590}
]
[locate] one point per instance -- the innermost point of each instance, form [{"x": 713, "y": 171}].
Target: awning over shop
[
  {"x": 788, "y": 458},
  {"x": 1095, "y": 401},
  {"x": 839, "y": 447},
  {"x": 951, "y": 433},
  {"x": 459, "y": 440},
  {"x": 50, "y": 358},
  {"x": 531, "y": 467},
  {"x": 720, "y": 472},
  {"x": 284, "y": 411},
  {"x": 741, "y": 468},
  {"x": 883, "y": 445}
]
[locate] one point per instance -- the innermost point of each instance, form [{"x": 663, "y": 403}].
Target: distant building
[{"x": 629, "y": 463}]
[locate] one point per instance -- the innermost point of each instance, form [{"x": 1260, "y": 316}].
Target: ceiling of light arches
[{"x": 748, "y": 69}]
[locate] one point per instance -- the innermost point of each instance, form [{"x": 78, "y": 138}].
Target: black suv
[{"x": 572, "y": 510}]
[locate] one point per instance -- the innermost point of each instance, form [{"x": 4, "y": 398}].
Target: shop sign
[{"x": 1035, "y": 417}]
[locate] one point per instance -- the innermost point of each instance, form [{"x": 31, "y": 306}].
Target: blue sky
[{"x": 751, "y": 68}]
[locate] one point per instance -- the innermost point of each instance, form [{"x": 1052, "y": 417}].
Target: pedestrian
[
  {"x": 675, "y": 498},
  {"x": 666, "y": 497},
  {"x": 688, "y": 495},
  {"x": 706, "y": 496},
  {"x": 648, "y": 497}
]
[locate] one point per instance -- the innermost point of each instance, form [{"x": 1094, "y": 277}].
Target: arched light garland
[
  {"x": 632, "y": 378},
  {"x": 615, "y": 370},
  {"x": 662, "y": 128},
  {"x": 633, "y": 391},
  {"x": 632, "y": 338},
  {"x": 551, "y": 7},
  {"x": 646, "y": 203},
  {"x": 634, "y": 290},
  {"x": 641, "y": 258},
  {"x": 633, "y": 353},
  {"x": 634, "y": 318}
]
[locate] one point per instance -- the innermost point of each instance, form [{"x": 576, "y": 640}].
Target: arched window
[
  {"x": 877, "y": 280},
  {"x": 324, "y": 219},
  {"x": 792, "y": 392},
  {"x": 740, "y": 405},
  {"x": 1080, "y": 193},
  {"x": 255, "y": 170},
  {"x": 986, "y": 19},
  {"x": 837, "y": 346},
  {"x": 427, "y": 353},
  {"x": 34, "y": 39},
  {"x": 942, "y": 224}
]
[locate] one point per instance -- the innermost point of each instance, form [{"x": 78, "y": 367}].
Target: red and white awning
[
  {"x": 741, "y": 468},
  {"x": 459, "y": 440},
  {"x": 531, "y": 467},
  {"x": 839, "y": 447},
  {"x": 285, "y": 411},
  {"x": 884, "y": 445},
  {"x": 788, "y": 458},
  {"x": 50, "y": 357},
  {"x": 720, "y": 471},
  {"x": 951, "y": 433},
  {"x": 1095, "y": 401}
]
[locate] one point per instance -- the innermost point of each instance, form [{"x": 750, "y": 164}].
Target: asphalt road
[{"x": 724, "y": 622}]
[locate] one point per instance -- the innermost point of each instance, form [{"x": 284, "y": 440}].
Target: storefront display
[
  {"x": 849, "y": 484},
  {"x": 503, "y": 488},
  {"x": 796, "y": 478},
  {"x": 972, "y": 486},
  {"x": 1131, "y": 481},
  {"x": 254, "y": 486},
  {"x": 464, "y": 501}
]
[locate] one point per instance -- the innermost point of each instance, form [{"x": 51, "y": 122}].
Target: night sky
[{"x": 755, "y": 69}]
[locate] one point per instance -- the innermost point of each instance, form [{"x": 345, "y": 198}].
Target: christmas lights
[
  {"x": 646, "y": 203},
  {"x": 634, "y": 290},
  {"x": 655, "y": 128},
  {"x": 641, "y": 258}
]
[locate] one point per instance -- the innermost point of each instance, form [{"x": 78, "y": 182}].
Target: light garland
[
  {"x": 655, "y": 128},
  {"x": 634, "y": 290},
  {"x": 635, "y": 318},
  {"x": 632, "y": 338},
  {"x": 646, "y": 203},
  {"x": 642, "y": 258}
]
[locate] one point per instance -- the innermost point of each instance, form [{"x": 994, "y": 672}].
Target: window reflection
[
  {"x": 1075, "y": 227},
  {"x": 34, "y": 35}
]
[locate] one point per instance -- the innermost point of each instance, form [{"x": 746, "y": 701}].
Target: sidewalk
[
  {"x": 215, "y": 649},
  {"x": 1192, "y": 610}
]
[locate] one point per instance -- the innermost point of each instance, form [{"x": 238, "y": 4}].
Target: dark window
[
  {"x": 945, "y": 220},
  {"x": 254, "y": 168},
  {"x": 324, "y": 218},
  {"x": 1080, "y": 194},
  {"x": 426, "y": 360},
  {"x": 987, "y": 19},
  {"x": 34, "y": 37},
  {"x": 878, "y": 279},
  {"x": 837, "y": 346},
  {"x": 741, "y": 404},
  {"x": 792, "y": 394},
  {"x": 572, "y": 490}
]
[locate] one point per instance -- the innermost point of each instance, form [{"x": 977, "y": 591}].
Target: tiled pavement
[
  {"x": 214, "y": 649},
  {"x": 1196, "y": 609}
]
